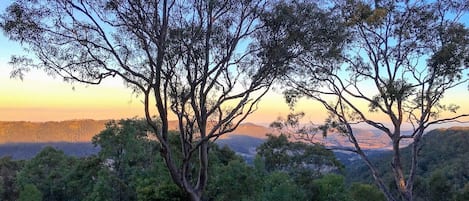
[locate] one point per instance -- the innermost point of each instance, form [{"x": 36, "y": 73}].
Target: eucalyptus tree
[
  {"x": 194, "y": 60},
  {"x": 46, "y": 172},
  {"x": 297, "y": 158},
  {"x": 388, "y": 65}
]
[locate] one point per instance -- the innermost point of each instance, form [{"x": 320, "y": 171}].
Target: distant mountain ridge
[
  {"x": 243, "y": 145},
  {"x": 52, "y": 131},
  {"x": 78, "y": 131},
  {"x": 23, "y": 140}
]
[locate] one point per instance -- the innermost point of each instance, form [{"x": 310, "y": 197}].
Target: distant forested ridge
[
  {"x": 51, "y": 131},
  {"x": 83, "y": 130}
]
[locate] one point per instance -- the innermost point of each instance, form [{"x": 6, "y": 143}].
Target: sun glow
[{"x": 40, "y": 97}]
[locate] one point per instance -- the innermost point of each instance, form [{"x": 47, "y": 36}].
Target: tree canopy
[
  {"x": 280, "y": 154},
  {"x": 388, "y": 64},
  {"x": 52, "y": 175}
]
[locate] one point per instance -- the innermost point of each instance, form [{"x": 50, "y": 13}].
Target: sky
[{"x": 39, "y": 97}]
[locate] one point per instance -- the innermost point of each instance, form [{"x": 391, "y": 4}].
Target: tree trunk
[
  {"x": 193, "y": 195},
  {"x": 377, "y": 178},
  {"x": 203, "y": 172},
  {"x": 399, "y": 176},
  {"x": 374, "y": 171}
]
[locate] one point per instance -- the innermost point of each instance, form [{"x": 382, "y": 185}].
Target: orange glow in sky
[{"x": 40, "y": 97}]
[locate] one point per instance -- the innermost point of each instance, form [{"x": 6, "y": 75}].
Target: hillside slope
[{"x": 444, "y": 153}]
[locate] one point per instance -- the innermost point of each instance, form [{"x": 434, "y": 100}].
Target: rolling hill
[
  {"x": 441, "y": 148},
  {"x": 74, "y": 131},
  {"x": 40, "y": 132}
]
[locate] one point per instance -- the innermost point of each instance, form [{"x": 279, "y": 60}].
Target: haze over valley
[
  {"x": 73, "y": 131},
  {"x": 17, "y": 137}
]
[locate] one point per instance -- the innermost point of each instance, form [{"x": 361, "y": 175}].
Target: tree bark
[
  {"x": 399, "y": 176},
  {"x": 374, "y": 171}
]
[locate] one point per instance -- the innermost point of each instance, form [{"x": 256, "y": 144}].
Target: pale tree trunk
[
  {"x": 414, "y": 162},
  {"x": 377, "y": 178},
  {"x": 399, "y": 176},
  {"x": 194, "y": 196},
  {"x": 373, "y": 169}
]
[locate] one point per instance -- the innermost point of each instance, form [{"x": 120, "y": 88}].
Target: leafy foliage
[
  {"x": 233, "y": 178},
  {"x": 82, "y": 178},
  {"x": 282, "y": 155},
  {"x": 47, "y": 172},
  {"x": 331, "y": 188},
  {"x": 30, "y": 193},
  {"x": 278, "y": 186},
  {"x": 8, "y": 176},
  {"x": 52, "y": 175},
  {"x": 359, "y": 190}
]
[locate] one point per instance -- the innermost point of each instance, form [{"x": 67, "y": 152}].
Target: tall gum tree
[
  {"x": 392, "y": 59},
  {"x": 195, "y": 59}
]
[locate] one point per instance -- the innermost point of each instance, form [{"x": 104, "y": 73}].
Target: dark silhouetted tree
[
  {"x": 389, "y": 64},
  {"x": 195, "y": 61},
  {"x": 9, "y": 169}
]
